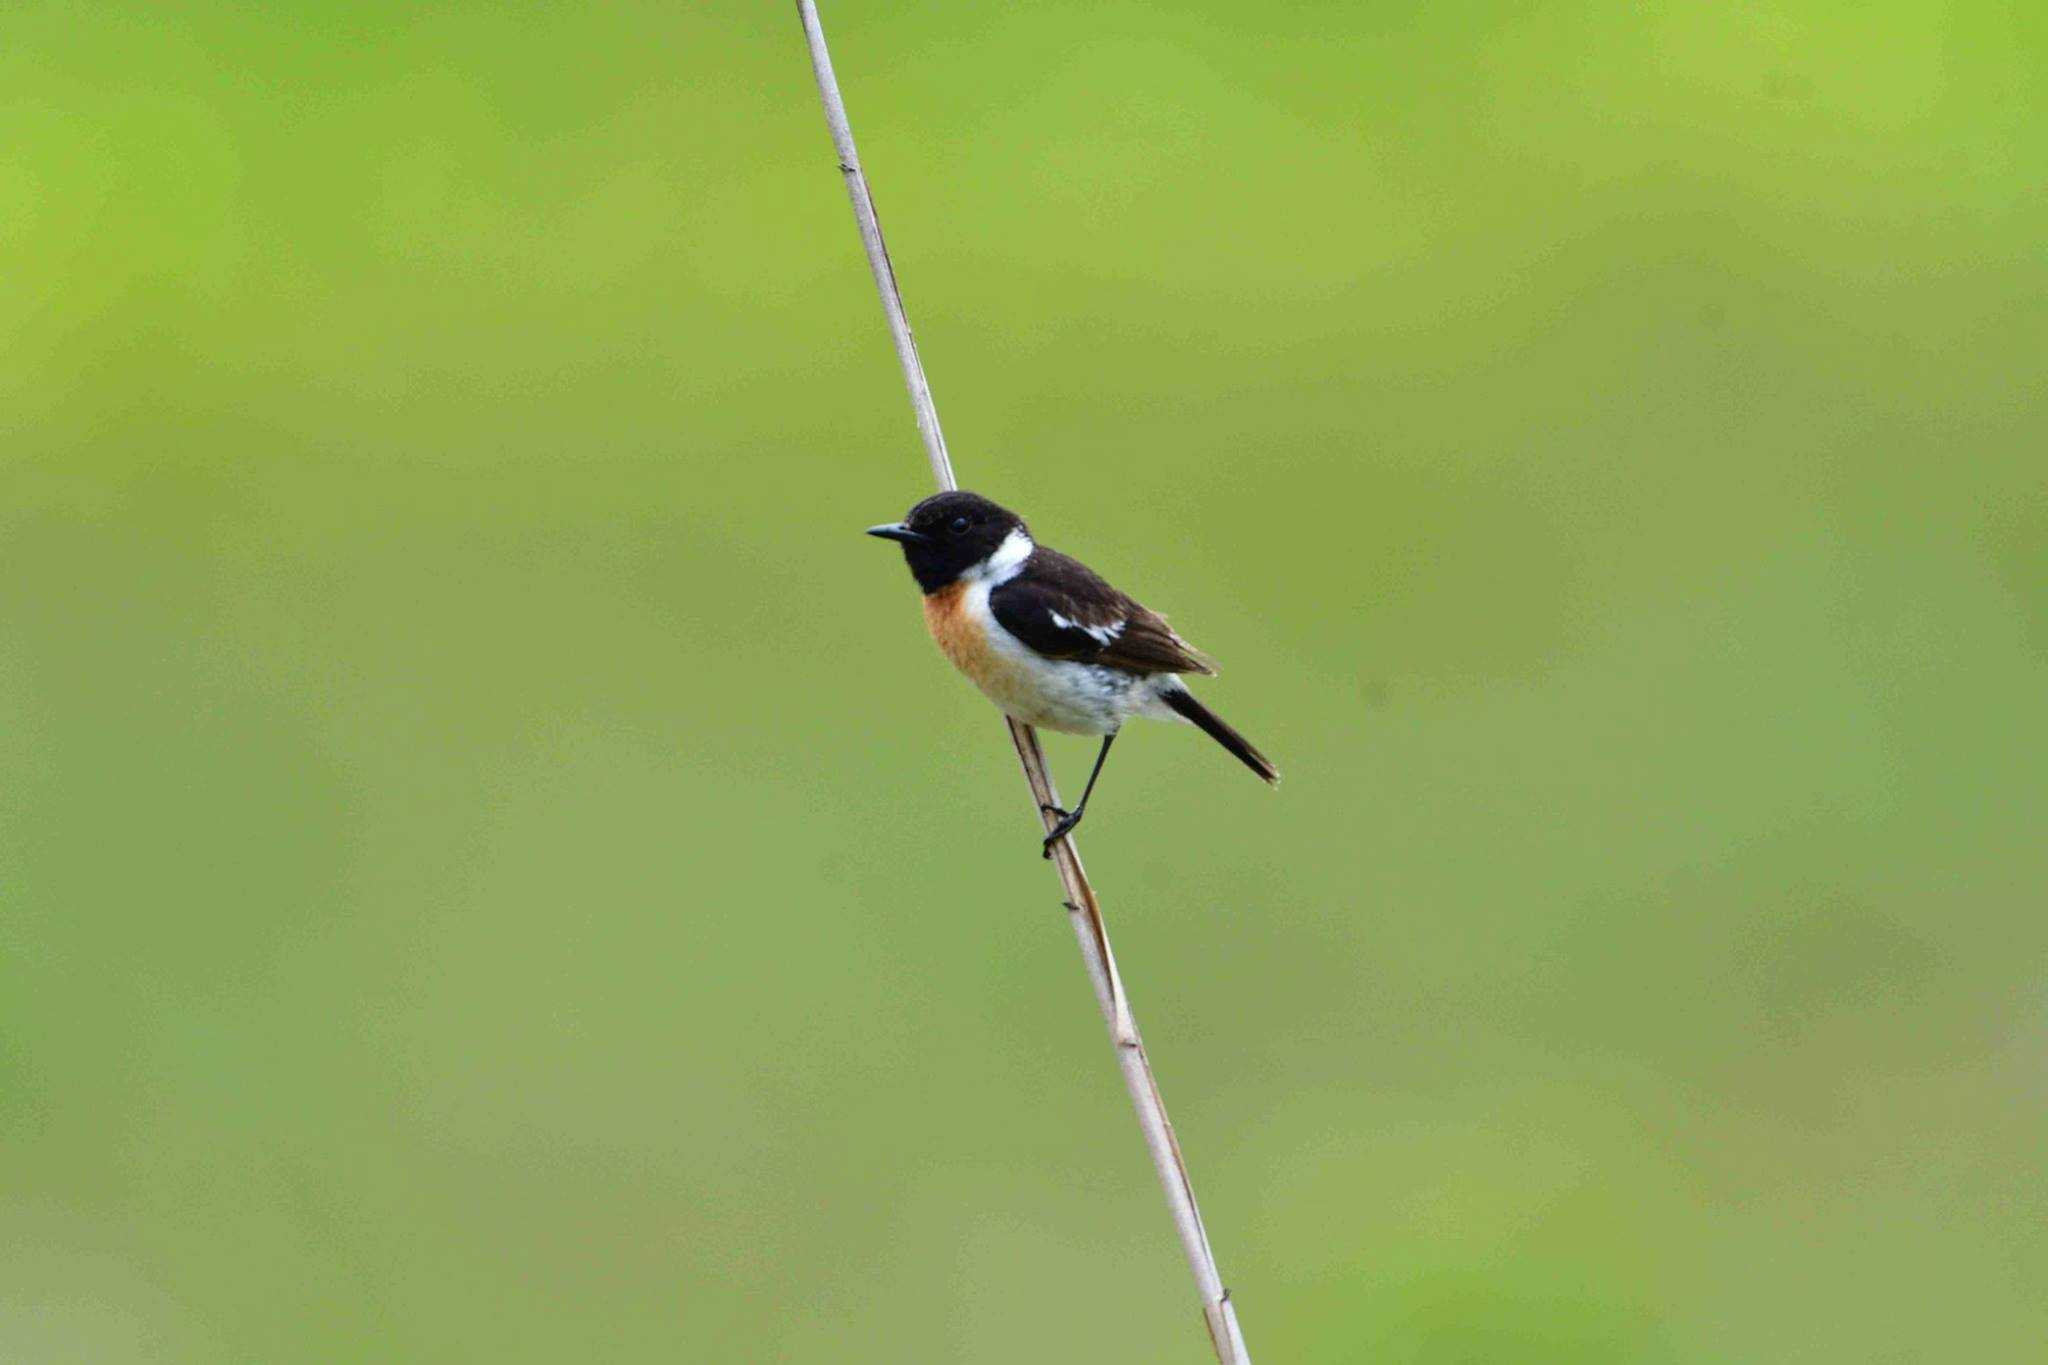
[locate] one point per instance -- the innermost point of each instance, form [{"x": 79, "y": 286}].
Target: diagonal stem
[{"x": 1084, "y": 911}]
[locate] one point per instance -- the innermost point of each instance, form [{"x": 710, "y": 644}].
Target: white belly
[{"x": 1079, "y": 699}]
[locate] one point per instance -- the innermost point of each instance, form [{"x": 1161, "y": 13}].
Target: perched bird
[{"x": 1045, "y": 637}]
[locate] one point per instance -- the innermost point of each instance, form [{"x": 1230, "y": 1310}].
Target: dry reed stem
[{"x": 1084, "y": 912}]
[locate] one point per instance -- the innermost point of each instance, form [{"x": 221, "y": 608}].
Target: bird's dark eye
[{"x": 958, "y": 526}]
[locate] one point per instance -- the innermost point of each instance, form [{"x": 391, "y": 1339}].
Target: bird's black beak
[{"x": 895, "y": 530}]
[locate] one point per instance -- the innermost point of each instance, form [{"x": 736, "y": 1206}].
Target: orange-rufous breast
[{"x": 963, "y": 637}]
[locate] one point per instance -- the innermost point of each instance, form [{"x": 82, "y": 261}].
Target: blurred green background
[{"x": 490, "y": 867}]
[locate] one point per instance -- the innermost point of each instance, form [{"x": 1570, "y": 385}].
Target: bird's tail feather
[{"x": 1184, "y": 704}]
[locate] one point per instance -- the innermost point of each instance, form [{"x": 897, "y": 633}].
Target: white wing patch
[{"x": 1102, "y": 635}]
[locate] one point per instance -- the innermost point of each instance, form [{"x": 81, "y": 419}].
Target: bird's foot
[{"x": 1060, "y": 830}]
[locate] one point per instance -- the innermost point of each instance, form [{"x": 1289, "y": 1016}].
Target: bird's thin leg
[
  {"x": 1069, "y": 820},
  {"x": 1093, "y": 773}
]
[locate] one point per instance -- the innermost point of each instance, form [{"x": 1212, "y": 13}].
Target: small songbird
[{"x": 1045, "y": 638}]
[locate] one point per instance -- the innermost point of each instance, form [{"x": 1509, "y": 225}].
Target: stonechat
[{"x": 1045, "y": 637}]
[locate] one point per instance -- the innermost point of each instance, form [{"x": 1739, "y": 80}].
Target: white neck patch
[{"x": 1006, "y": 561}]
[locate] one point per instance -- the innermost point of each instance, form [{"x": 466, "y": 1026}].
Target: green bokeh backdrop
[{"x": 490, "y": 868}]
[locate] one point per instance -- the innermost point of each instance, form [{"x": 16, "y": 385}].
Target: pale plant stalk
[{"x": 1084, "y": 912}]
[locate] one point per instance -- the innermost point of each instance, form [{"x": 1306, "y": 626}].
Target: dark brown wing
[{"x": 1064, "y": 610}]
